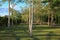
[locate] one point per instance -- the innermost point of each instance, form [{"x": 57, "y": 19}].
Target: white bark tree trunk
[
  {"x": 9, "y": 14},
  {"x": 30, "y": 17}
]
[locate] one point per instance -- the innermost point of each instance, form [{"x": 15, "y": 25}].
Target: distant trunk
[
  {"x": 52, "y": 18},
  {"x": 9, "y": 14},
  {"x": 12, "y": 14},
  {"x": 12, "y": 17},
  {"x": 49, "y": 13},
  {"x": 48, "y": 18}
]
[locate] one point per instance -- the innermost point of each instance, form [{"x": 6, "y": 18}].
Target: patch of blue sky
[
  {"x": 4, "y": 13},
  {"x": 4, "y": 5},
  {"x": 0, "y": 0},
  {"x": 20, "y": 6},
  {"x": 4, "y": 8}
]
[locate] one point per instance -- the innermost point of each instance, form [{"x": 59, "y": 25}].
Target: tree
[
  {"x": 37, "y": 11},
  {"x": 50, "y": 8},
  {"x": 31, "y": 14},
  {"x": 9, "y": 11},
  {"x": 9, "y": 14},
  {"x": 12, "y": 6}
]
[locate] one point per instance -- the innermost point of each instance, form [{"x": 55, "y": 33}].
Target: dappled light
[{"x": 29, "y": 20}]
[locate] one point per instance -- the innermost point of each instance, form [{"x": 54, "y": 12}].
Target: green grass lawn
[{"x": 21, "y": 32}]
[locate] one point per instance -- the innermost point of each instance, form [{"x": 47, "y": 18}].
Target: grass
[{"x": 21, "y": 32}]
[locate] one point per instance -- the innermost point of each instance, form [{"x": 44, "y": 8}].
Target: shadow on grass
[
  {"x": 34, "y": 38},
  {"x": 19, "y": 37},
  {"x": 48, "y": 36},
  {"x": 14, "y": 34}
]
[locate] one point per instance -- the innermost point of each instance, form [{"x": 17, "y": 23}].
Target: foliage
[
  {"x": 40, "y": 12},
  {"x": 3, "y": 21}
]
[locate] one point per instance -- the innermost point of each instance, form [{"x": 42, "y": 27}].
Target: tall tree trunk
[
  {"x": 30, "y": 18},
  {"x": 9, "y": 14}
]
